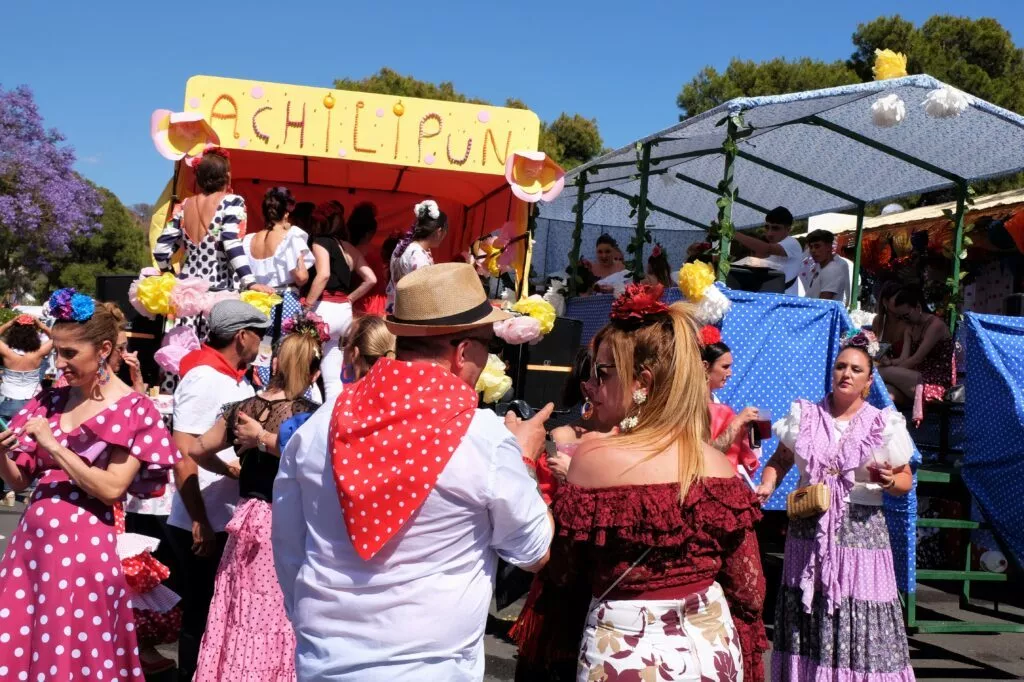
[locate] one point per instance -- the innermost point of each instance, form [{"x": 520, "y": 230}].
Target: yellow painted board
[{"x": 327, "y": 123}]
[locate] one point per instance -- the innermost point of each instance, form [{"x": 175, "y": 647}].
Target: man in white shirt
[
  {"x": 211, "y": 377},
  {"x": 392, "y": 507},
  {"x": 777, "y": 251},
  {"x": 831, "y": 278}
]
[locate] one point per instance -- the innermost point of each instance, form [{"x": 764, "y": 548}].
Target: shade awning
[{"x": 813, "y": 152}]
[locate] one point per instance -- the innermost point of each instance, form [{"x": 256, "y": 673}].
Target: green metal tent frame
[{"x": 727, "y": 192}]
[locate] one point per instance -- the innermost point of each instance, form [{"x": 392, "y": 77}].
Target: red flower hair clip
[
  {"x": 656, "y": 251},
  {"x": 638, "y": 303},
  {"x": 710, "y": 335},
  {"x": 218, "y": 151}
]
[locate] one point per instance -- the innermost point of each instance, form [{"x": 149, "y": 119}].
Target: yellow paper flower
[
  {"x": 694, "y": 279},
  {"x": 261, "y": 301},
  {"x": 539, "y": 309},
  {"x": 491, "y": 253},
  {"x": 889, "y": 64},
  {"x": 533, "y": 176},
  {"x": 493, "y": 381},
  {"x": 154, "y": 293}
]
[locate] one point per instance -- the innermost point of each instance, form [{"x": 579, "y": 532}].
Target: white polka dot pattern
[{"x": 392, "y": 433}]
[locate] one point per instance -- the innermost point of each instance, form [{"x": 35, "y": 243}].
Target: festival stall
[{"x": 478, "y": 161}]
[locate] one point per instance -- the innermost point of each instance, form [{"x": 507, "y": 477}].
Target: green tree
[
  {"x": 118, "y": 247},
  {"x": 744, "y": 78},
  {"x": 570, "y": 139},
  {"x": 976, "y": 55},
  {"x": 577, "y": 137}
]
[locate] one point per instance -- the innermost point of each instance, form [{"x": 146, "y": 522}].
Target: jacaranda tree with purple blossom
[{"x": 44, "y": 204}]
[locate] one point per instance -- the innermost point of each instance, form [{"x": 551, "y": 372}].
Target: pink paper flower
[
  {"x": 518, "y": 330},
  {"x": 178, "y": 343},
  {"x": 212, "y": 298},
  {"x": 189, "y": 297}
]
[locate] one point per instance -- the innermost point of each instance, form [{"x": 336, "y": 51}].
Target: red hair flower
[
  {"x": 710, "y": 335},
  {"x": 656, "y": 251},
  {"x": 638, "y": 302}
]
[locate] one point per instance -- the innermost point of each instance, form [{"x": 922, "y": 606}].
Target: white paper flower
[
  {"x": 945, "y": 102},
  {"x": 713, "y": 306},
  {"x": 888, "y": 111},
  {"x": 427, "y": 208}
]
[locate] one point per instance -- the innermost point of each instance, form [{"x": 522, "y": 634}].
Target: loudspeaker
[
  {"x": 544, "y": 368},
  {"x": 1013, "y": 305},
  {"x": 762, "y": 280},
  {"x": 144, "y": 335}
]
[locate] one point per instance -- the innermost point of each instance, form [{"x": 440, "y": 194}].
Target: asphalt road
[{"x": 935, "y": 657}]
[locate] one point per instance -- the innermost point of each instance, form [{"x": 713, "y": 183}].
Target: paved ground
[{"x": 935, "y": 657}]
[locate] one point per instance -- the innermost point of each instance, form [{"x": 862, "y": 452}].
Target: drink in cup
[{"x": 761, "y": 428}]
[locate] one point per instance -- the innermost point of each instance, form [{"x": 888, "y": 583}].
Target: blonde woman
[
  {"x": 654, "y": 521},
  {"x": 248, "y": 635}
]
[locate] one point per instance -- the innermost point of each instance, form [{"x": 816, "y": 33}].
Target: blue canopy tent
[{"x": 814, "y": 152}]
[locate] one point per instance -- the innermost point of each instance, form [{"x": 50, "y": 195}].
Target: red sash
[
  {"x": 210, "y": 358},
  {"x": 392, "y": 434}
]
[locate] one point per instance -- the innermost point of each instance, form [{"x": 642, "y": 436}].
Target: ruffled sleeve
[
  {"x": 135, "y": 424},
  {"x": 788, "y": 428},
  {"x": 896, "y": 448},
  {"x": 742, "y": 581},
  {"x": 297, "y": 248},
  {"x": 43, "y": 405}
]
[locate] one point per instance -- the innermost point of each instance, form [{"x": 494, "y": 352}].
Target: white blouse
[
  {"x": 276, "y": 270},
  {"x": 413, "y": 258},
  {"x": 895, "y": 451}
]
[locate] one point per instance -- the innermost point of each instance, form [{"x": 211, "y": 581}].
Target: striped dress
[{"x": 218, "y": 257}]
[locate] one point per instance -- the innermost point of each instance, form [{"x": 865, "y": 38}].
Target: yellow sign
[{"x": 322, "y": 122}]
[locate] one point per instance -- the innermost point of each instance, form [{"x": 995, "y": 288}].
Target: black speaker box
[
  {"x": 542, "y": 370},
  {"x": 1013, "y": 305},
  {"x": 762, "y": 280},
  {"x": 144, "y": 335}
]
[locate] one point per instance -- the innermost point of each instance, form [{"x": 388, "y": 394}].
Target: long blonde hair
[
  {"x": 676, "y": 409},
  {"x": 298, "y": 359}
]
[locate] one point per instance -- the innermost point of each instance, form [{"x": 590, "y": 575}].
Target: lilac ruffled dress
[{"x": 838, "y": 613}]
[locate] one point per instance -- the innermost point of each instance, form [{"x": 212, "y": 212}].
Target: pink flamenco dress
[{"x": 65, "y": 601}]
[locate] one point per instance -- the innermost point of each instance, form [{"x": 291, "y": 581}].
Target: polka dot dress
[{"x": 65, "y": 613}]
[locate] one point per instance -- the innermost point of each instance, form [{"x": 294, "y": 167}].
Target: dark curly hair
[
  {"x": 23, "y": 337},
  {"x": 277, "y": 203}
]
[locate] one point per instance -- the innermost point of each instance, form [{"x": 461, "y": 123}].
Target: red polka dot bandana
[{"x": 392, "y": 434}]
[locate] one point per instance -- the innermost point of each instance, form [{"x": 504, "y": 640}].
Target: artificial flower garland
[{"x": 163, "y": 294}]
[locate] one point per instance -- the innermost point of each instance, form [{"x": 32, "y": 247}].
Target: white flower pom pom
[
  {"x": 713, "y": 306},
  {"x": 427, "y": 208},
  {"x": 888, "y": 111},
  {"x": 555, "y": 295},
  {"x": 946, "y": 102}
]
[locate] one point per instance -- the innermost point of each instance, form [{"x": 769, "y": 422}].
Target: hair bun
[{"x": 427, "y": 209}]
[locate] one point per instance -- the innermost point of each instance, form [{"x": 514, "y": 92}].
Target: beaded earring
[{"x": 103, "y": 373}]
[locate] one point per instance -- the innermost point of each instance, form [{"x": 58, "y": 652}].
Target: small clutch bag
[{"x": 811, "y": 500}]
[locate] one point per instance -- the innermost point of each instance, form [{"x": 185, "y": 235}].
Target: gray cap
[{"x": 227, "y": 318}]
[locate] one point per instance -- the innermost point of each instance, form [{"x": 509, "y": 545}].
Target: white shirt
[
  {"x": 276, "y": 270},
  {"x": 413, "y": 258},
  {"x": 198, "y": 403},
  {"x": 895, "y": 451},
  {"x": 790, "y": 264},
  {"x": 416, "y": 610},
  {"x": 834, "y": 278}
]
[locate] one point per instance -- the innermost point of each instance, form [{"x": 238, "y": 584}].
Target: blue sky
[{"x": 99, "y": 69}]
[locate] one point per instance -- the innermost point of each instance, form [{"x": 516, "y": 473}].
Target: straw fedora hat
[{"x": 441, "y": 299}]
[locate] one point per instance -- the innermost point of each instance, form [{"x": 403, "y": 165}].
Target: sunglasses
[
  {"x": 121, "y": 348},
  {"x": 599, "y": 372}
]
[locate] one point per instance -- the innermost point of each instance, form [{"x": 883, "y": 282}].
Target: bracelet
[{"x": 890, "y": 485}]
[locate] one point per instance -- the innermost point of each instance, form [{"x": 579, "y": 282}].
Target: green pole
[
  {"x": 577, "y": 234},
  {"x": 858, "y": 250},
  {"x": 641, "y": 213},
  {"x": 958, "y": 247},
  {"x": 727, "y": 191}
]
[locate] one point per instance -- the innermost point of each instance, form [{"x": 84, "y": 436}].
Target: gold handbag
[{"x": 811, "y": 500}]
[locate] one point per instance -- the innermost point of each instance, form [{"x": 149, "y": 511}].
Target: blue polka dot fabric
[
  {"x": 993, "y": 464},
  {"x": 783, "y": 349},
  {"x": 288, "y": 307}
]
